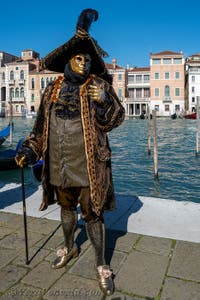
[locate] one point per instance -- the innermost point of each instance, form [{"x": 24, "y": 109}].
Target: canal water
[{"x": 133, "y": 168}]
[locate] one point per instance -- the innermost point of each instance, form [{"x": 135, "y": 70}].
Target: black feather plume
[{"x": 86, "y": 18}]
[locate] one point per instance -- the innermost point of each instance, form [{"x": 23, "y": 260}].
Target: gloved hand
[
  {"x": 96, "y": 94},
  {"x": 25, "y": 156}
]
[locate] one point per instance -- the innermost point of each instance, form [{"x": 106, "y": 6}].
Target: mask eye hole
[{"x": 79, "y": 58}]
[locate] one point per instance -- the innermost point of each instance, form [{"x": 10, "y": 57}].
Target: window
[
  {"x": 22, "y": 92},
  {"x": 12, "y": 93},
  {"x": 166, "y": 107},
  {"x": 32, "y": 97},
  {"x": 193, "y": 99},
  {"x": 166, "y": 75},
  {"x": 193, "y": 78},
  {"x": 177, "y": 107},
  {"x": 17, "y": 108},
  {"x": 177, "y": 75},
  {"x": 156, "y": 107},
  {"x": 22, "y": 75},
  {"x": 32, "y": 83},
  {"x": 146, "y": 93},
  {"x": 156, "y": 75},
  {"x": 156, "y": 92},
  {"x": 166, "y": 61},
  {"x": 177, "y": 61},
  {"x": 138, "y": 93},
  {"x": 42, "y": 83},
  {"x": 3, "y": 76},
  {"x": 193, "y": 89},
  {"x": 131, "y": 93},
  {"x": 119, "y": 76},
  {"x": 167, "y": 91},
  {"x": 146, "y": 78},
  {"x": 11, "y": 75},
  {"x": 156, "y": 61},
  {"x": 131, "y": 78},
  {"x": 47, "y": 81},
  {"x": 177, "y": 92},
  {"x": 138, "y": 78},
  {"x": 17, "y": 93}
]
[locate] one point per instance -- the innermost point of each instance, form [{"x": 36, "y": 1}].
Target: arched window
[
  {"x": 11, "y": 92},
  {"x": 32, "y": 83},
  {"x": 32, "y": 97},
  {"x": 17, "y": 93},
  {"x": 42, "y": 83},
  {"x": 21, "y": 92},
  {"x": 22, "y": 74},
  {"x": 167, "y": 91},
  {"x": 11, "y": 75}
]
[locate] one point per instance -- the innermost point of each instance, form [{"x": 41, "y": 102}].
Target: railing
[
  {"x": 167, "y": 99},
  {"x": 140, "y": 99}
]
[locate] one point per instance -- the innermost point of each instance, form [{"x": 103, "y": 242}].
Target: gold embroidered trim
[
  {"x": 88, "y": 123},
  {"x": 56, "y": 89}
]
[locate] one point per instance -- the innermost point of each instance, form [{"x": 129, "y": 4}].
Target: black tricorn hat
[{"x": 81, "y": 42}]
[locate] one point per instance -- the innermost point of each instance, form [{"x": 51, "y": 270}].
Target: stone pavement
[{"x": 145, "y": 267}]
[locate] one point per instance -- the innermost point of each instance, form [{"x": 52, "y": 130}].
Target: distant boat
[
  {"x": 4, "y": 134},
  {"x": 174, "y": 116},
  {"x": 31, "y": 115},
  {"x": 191, "y": 116},
  {"x": 7, "y": 157}
]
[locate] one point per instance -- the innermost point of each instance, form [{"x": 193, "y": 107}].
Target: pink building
[{"x": 167, "y": 81}]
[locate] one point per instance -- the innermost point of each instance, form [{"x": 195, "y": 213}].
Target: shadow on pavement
[{"x": 116, "y": 223}]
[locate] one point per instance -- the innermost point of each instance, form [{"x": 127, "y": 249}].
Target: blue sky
[{"x": 127, "y": 30}]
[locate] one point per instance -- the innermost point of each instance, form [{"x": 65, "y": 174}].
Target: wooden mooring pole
[
  {"x": 155, "y": 146},
  {"x": 11, "y": 122},
  {"x": 197, "y": 125},
  {"x": 149, "y": 130}
]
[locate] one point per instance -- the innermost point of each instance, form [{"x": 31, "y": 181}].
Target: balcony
[
  {"x": 141, "y": 100},
  {"x": 21, "y": 81},
  {"x": 11, "y": 81},
  {"x": 18, "y": 100},
  {"x": 167, "y": 99}
]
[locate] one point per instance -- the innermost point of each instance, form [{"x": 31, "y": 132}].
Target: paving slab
[
  {"x": 144, "y": 274},
  {"x": 154, "y": 245},
  {"x": 175, "y": 289},
  {"x": 42, "y": 276},
  {"x": 186, "y": 261}
]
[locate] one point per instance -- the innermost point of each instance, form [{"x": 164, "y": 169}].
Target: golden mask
[{"x": 81, "y": 63}]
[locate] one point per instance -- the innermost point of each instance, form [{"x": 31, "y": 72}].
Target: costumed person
[{"x": 70, "y": 135}]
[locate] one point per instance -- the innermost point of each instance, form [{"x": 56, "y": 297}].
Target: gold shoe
[
  {"x": 64, "y": 256},
  {"x": 105, "y": 277}
]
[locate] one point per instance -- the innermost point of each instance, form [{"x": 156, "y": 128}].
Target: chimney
[{"x": 114, "y": 61}]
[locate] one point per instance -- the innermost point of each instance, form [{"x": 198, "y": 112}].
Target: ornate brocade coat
[{"x": 97, "y": 120}]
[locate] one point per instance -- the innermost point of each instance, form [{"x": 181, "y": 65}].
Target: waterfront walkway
[{"x": 152, "y": 246}]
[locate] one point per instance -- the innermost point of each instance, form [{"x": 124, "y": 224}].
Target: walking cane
[
  {"x": 25, "y": 224},
  {"x": 24, "y": 214}
]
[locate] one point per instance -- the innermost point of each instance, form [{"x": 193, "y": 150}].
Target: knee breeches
[{"x": 69, "y": 198}]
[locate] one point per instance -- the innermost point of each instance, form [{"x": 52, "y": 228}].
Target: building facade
[
  {"x": 138, "y": 88},
  {"x": 170, "y": 84},
  {"x": 119, "y": 76},
  {"x": 167, "y": 82},
  {"x": 22, "y": 83},
  {"x": 192, "y": 86}
]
